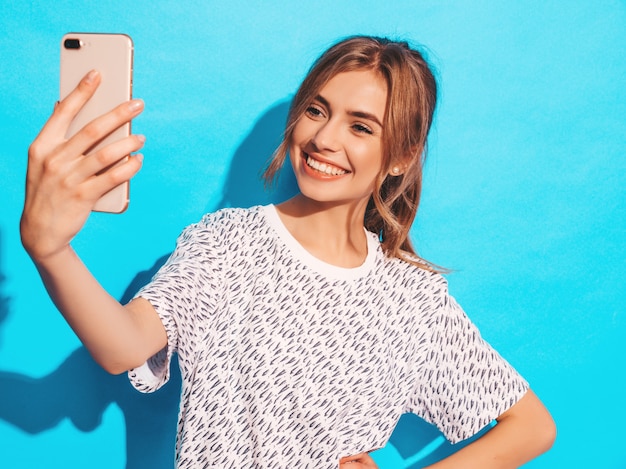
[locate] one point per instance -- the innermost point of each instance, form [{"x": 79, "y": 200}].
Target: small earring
[{"x": 395, "y": 170}]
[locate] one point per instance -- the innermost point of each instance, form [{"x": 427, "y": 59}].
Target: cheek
[
  {"x": 294, "y": 156},
  {"x": 300, "y": 132},
  {"x": 370, "y": 157},
  {"x": 378, "y": 156}
]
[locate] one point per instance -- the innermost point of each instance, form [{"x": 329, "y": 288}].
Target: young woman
[{"x": 304, "y": 330}]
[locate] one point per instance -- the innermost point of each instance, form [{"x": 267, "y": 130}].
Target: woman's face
[{"x": 336, "y": 145}]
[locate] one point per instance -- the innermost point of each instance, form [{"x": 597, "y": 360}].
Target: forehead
[{"x": 361, "y": 90}]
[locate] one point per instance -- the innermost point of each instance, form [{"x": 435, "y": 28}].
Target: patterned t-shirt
[{"x": 288, "y": 361}]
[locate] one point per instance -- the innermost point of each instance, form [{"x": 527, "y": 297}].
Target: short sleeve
[
  {"x": 463, "y": 384},
  {"x": 183, "y": 292}
]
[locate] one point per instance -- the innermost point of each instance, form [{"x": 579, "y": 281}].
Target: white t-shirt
[{"x": 288, "y": 361}]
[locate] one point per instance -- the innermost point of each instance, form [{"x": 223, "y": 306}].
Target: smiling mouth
[{"x": 324, "y": 168}]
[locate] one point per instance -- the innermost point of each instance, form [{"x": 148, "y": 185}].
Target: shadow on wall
[
  {"x": 80, "y": 390},
  {"x": 4, "y": 300},
  {"x": 244, "y": 186},
  {"x": 415, "y": 444}
]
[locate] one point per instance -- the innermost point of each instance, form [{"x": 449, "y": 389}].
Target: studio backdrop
[{"x": 523, "y": 199}]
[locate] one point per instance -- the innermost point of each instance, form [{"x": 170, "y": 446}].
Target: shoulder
[
  {"x": 227, "y": 222},
  {"x": 413, "y": 278},
  {"x": 220, "y": 229},
  {"x": 232, "y": 217}
]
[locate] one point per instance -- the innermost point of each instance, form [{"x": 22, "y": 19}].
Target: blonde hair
[{"x": 411, "y": 101}]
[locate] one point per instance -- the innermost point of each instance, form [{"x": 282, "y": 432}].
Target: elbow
[
  {"x": 115, "y": 367},
  {"x": 546, "y": 433},
  {"x": 543, "y": 427},
  {"x": 541, "y": 430},
  {"x": 533, "y": 427}
]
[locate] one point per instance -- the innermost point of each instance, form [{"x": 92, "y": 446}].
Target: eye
[
  {"x": 362, "y": 128},
  {"x": 314, "y": 111}
]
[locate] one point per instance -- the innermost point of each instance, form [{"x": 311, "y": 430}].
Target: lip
[{"x": 317, "y": 174}]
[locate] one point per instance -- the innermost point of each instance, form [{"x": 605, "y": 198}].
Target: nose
[{"x": 327, "y": 136}]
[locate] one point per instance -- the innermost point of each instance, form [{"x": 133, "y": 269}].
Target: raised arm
[
  {"x": 523, "y": 432},
  {"x": 63, "y": 183}
]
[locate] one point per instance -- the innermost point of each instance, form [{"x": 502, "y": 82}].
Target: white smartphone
[{"x": 112, "y": 56}]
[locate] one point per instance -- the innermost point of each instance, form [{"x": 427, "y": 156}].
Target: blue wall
[{"x": 524, "y": 198}]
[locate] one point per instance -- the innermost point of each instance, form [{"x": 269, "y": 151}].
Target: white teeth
[{"x": 324, "y": 168}]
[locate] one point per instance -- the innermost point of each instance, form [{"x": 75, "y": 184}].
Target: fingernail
[
  {"x": 141, "y": 138},
  {"x": 135, "y": 104},
  {"x": 91, "y": 76},
  {"x": 139, "y": 157}
]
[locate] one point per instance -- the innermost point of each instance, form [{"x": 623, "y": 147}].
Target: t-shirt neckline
[{"x": 308, "y": 259}]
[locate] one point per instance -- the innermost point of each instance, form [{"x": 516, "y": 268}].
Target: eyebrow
[{"x": 360, "y": 114}]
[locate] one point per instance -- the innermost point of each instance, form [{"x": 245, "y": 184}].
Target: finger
[
  {"x": 54, "y": 130},
  {"x": 102, "y": 183},
  {"x": 349, "y": 462},
  {"x": 358, "y": 461},
  {"x": 368, "y": 462},
  {"x": 65, "y": 110},
  {"x": 102, "y": 126},
  {"x": 94, "y": 163},
  {"x": 354, "y": 457}
]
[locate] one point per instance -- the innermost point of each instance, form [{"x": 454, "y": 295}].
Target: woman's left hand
[{"x": 358, "y": 461}]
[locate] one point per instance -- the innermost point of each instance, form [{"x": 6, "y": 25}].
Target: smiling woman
[
  {"x": 398, "y": 86},
  {"x": 303, "y": 330},
  {"x": 336, "y": 147}
]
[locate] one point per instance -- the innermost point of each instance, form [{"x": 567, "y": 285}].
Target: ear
[
  {"x": 397, "y": 170},
  {"x": 400, "y": 167}
]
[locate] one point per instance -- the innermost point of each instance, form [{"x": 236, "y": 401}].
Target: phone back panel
[{"x": 112, "y": 56}]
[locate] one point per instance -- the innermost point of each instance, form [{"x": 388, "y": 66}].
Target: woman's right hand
[{"x": 63, "y": 180}]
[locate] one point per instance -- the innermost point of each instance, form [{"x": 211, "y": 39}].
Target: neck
[{"x": 332, "y": 232}]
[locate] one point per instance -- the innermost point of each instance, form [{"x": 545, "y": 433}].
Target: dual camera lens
[{"x": 72, "y": 43}]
